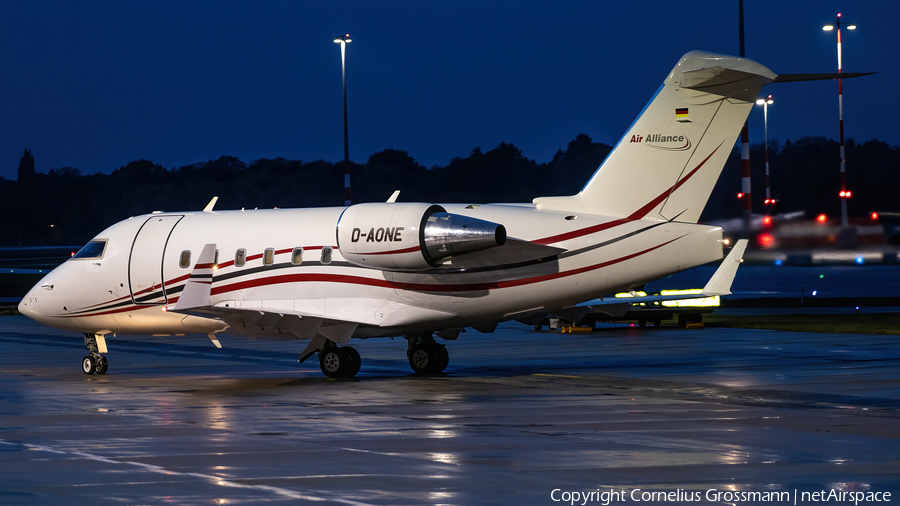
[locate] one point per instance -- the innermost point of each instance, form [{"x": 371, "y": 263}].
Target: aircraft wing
[
  {"x": 254, "y": 316},
  {"x": 719, "y": 284},
  {"x": 316, "y": 320}
]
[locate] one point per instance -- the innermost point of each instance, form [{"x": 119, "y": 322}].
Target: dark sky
[{"x": 95, "y": 85}]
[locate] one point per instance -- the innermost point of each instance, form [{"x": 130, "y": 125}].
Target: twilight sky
[{"x": 95, "y": 85}]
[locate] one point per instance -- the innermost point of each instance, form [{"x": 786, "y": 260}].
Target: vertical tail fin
[{"x": 666, "y": 164}]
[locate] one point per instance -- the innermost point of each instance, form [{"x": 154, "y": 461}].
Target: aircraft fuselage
[{"x": 143, "y": 270}]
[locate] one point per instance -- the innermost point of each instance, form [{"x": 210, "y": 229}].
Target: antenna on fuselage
[{"x": 209, "y": 207}]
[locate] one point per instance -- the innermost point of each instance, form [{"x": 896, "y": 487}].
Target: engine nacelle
[{"x": 410, "y": 236}]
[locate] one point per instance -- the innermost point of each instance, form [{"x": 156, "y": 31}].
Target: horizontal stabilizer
[{"x": 793, "y": 78}]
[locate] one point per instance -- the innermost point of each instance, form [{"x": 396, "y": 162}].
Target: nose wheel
[{"x": 94, "y": 363}]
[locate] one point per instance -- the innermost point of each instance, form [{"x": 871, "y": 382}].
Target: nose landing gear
[{"x": 94, "y": 362}]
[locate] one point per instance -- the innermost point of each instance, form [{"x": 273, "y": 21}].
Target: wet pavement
[{"x": 518, "y": 414}]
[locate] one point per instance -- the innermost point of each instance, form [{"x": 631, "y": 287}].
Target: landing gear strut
[
  {"x": 94, "y": 362},
  {"x": 426, "y": 356},
  {"x": 339, "y": 362}
]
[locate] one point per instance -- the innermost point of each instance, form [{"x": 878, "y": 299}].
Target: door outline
[{"x": 162, "y": 279}]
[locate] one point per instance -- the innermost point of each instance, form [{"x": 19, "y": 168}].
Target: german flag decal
[{"x": 681, "y": 113}]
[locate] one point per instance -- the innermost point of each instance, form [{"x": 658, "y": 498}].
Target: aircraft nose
[{"x": 28, "y": 306}]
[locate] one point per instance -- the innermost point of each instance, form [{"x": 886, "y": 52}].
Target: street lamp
[
  {"x": 765, "y": 102},
  {"x": 845, "y": 193},
  {"x": 343, "y": 40}
]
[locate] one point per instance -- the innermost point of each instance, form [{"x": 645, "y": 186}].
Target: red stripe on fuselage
[
  {"x": 637, "y": 215},
  {"x": 397, "y": 252},
  {"x": 419, "y": 287},
  {"x": 584, "y": 231}
]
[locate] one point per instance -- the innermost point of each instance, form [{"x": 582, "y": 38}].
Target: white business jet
[{"x": 329, "y": 275}]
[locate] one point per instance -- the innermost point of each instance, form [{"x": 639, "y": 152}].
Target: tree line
[{"x": 66, "y": 207}]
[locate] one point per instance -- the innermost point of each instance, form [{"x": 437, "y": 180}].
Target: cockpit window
[{"x": 93, "y": 249}]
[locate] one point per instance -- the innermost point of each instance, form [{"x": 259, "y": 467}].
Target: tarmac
[{"x": 519, "y": 417}]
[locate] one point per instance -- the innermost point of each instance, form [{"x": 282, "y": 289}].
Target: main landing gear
[
  {"x": 425, "y": 355},
  {"x": 338, "y": 362},
  {"x": 94, "y": 362}
]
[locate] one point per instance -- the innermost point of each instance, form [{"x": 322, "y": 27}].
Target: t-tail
[{"x": 668, "y": 161}]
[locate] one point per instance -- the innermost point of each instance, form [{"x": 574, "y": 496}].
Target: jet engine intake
[{"x": 411, "y": 236}]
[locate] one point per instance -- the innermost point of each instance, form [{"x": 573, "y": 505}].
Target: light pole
[
  {"x": 845, "y": 193},
  {"x": 765, "y": 102},
  {"x": 343, "y": 40}
]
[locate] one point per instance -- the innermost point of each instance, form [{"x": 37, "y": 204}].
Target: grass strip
[{"x": 874, "y": 323}]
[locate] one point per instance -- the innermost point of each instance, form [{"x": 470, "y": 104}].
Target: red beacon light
[
  {"x": 874, "y": 216},
  {"x": 822, "y": 218},
  {"x": 845, "y": 194},
  {"x": 767, "y": 220},
  {"x": 741, "y": 195},
  {"x": 765, "y": 240}
]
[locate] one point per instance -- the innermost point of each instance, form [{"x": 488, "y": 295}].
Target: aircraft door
[{"x": 145, "y": 264}]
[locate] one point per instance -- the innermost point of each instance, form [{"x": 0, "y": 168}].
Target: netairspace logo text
[{"x": 612, "y": 496}]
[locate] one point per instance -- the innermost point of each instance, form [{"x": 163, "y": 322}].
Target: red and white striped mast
[
  {"x": 845, "y": 193},
  {"x": 745, "y": 143}
]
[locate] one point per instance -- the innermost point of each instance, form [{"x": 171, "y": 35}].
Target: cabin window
[
  {"x": 297, "y": 256},
  {"x": 326, "y": 255},
  {"x": 269, "y": 256},
  {"x": 92, "y": 250},
  {"x": 240, "y": 258},
  {"x": 185, "y": 260}
]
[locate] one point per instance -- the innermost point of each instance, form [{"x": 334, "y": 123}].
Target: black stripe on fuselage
[
  {"x": 240, "y": 271},
  {"x": 611, "y": 241}
]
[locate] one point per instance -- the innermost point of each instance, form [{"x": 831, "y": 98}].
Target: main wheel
[
  {"x": 102, "y": 365},
  {"x": 332, "y": 361},
  {"x": 88, "y": 366},
  {"x": 422, "y": 359},
  {"x": 443, "y": 358},
  {"x": 354, "y": 361},
  {"x": 537, "y": 327}
]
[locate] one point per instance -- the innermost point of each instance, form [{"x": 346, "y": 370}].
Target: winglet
[
  {"x": 209, "y": 207},
  {"x": 198, "y": 287},
  {"x": 720, "y": 282},
  {"x": 393, "y": 197}
]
